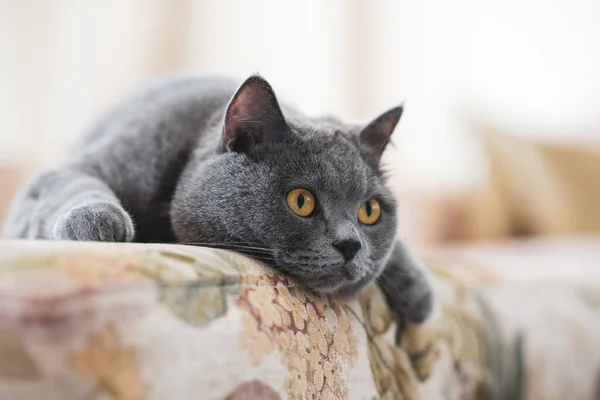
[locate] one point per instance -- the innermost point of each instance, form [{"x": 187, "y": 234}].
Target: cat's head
[{"x": 306, "y": 196}]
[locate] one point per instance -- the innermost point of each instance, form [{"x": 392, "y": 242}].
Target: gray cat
[{"x": 201, "y": 161}]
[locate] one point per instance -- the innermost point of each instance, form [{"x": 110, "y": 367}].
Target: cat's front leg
[
  {"x": 101, "y": 221},
  {"x": 66, "y": 204},
  {"x": 406, "y": 286}
]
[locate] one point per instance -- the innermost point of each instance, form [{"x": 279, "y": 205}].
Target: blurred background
[{"x": 501, "y": 132}]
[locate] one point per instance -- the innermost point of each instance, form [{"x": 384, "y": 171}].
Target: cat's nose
[{"x": 348, "y": 248}]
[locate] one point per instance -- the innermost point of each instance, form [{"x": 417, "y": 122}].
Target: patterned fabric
[{"x": 128, "y": 321}]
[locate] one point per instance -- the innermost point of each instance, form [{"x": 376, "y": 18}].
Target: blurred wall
[
  {"x": 532, "y": 64},
  {"x": 66, "y": 61}
]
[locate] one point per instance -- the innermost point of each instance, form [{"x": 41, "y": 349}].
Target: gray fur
[{"x": 183, "y": 161}]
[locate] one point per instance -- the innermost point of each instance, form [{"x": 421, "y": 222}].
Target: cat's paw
[
  {"x": 411, "y": 299},
  {"x": 407, "y": 288},
  {"x": 418, "y": 306},
  {"x": 96, "y": 221}
]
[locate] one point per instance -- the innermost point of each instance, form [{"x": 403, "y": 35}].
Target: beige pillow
[{"x": 533, "y": 188}]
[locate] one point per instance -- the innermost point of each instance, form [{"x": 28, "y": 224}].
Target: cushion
[{"x": 149, "y": 321}]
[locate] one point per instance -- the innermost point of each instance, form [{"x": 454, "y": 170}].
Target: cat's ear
[
  {"x": 253, "y": 116},
  {"x": 374, "y": 138}
]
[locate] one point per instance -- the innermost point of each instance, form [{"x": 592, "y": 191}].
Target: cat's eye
[
  {"x": 369, "y": 212},
  {"x": 301, "y": 201}
]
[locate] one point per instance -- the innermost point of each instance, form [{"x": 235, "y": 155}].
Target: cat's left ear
[
  {"x": 374, "y": 138},
  {"x": 253, "y": 116}
]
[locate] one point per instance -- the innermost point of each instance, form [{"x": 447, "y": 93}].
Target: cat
[{"x": 206, "y": 161}]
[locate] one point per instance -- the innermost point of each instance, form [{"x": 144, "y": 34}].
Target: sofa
[{"x": 154, "y": 321}]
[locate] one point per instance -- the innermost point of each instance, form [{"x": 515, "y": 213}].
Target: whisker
[
  {"x": 219, "y": 243},
  {"x": 240, "y": 243},
  {"x": 227, "y": 245},
  {"x": 263, "y": 258}
]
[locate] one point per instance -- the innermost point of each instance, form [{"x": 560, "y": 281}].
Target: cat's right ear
[
  {"x": 376, "y": 136},
  {"x": 253, "y": 116}
]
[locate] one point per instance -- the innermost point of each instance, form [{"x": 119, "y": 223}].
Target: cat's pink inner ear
[
  {"x": 253, "y": 112},
  {"x": 239, "y": 108},
  {"x": 375, "y": 137},
  {"x": 233, "y": 126},
  {"x": 247, "y": 102}
]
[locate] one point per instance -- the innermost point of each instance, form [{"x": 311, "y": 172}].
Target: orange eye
[
  {"x": 369, "y": 212},
  {"x": 301, "y": 201}
]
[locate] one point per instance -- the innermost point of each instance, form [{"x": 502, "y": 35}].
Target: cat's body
[{"x": 183, "y": 161}]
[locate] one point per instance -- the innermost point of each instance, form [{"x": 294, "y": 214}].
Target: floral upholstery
[{"x": 132, "y": 321}]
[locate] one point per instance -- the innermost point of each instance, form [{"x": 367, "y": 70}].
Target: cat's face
[{"x": 308, "y": 200}]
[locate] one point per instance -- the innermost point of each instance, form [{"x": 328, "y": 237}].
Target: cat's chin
[
  {"x": 326, "y": 290},
  {"x": 346, "y": 278},
  {"x": 344, "y": 287}
]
